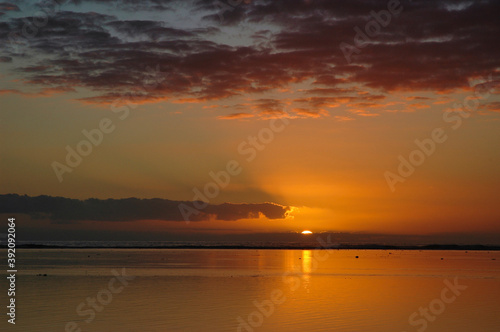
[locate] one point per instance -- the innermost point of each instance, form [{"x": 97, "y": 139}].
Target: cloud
[
  {"x": 363, "y": 113},
  {"x": 268, "y": 108},
  {"x": 133, "y": 5},
  {"x": 7, "y": 6},
  {"x": 417, "y": 98},
  {"x": 343, "y": 118},
  {"x": 60, "y": 209},
  {"x": 108, "y": 55},
  {"x": 310, "y": 114},
  {"x": 493, "y": 107},
  {"x": 45, "y": 92},
  {"x": 419, "y": 105},
  {"x": 10, "y": 91},
  {"x": 235, "y": 116}
]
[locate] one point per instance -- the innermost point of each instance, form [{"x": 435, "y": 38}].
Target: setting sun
[{"x": 306, "y": 232}]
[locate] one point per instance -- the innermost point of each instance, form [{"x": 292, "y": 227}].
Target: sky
[{"x": 355, "y": 116}]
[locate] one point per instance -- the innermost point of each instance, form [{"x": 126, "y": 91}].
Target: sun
[{"x": 306, "y": 232}]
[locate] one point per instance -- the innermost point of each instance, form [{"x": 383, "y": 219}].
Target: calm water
[{"x": 221, "y": 290}]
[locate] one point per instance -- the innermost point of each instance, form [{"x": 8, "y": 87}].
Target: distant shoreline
[{"x": 282, "y": 247}]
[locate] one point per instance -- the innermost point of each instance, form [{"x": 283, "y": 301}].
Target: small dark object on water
[
  {"x": 442, "y": 258},
  {"x": 357, "y": 256}
]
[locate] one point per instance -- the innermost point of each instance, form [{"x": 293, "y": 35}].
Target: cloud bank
[
  {"x": 60, "y": 209},
  {"x": 430, "y": 46}
]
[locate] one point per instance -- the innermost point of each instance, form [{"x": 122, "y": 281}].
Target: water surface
[{"x": 222, "y": 290}]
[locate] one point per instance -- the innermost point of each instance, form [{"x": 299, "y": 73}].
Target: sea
[{"x": 76, "y": 288}]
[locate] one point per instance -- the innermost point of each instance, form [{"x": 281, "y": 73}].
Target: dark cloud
[
  {"x": 60, "y": 209},
  {"x": 154, "y": 30},
  {"x": 132, "y": 5},
  {"x": 7, "y": 6},
  {"x": 436, "y": 46}
]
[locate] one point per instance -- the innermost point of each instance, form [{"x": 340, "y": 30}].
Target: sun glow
[
  {"x": 306, "y": 232},
  {"x": 290, "y": 213}
]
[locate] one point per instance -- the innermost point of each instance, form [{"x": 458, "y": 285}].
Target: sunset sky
[{"x": 313, "y": 105}]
